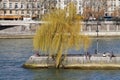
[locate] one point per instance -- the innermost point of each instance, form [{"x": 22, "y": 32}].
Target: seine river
[{"x": 14, "y": 52}]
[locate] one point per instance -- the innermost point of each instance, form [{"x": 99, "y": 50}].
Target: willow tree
[{"x": 60, "y": 33}]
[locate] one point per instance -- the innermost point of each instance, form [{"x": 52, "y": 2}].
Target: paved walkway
[{"x": 102, "y": 34}]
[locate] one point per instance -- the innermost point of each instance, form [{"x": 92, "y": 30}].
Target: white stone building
[
  {"x": 110, "y": 6},
  {"x": 113, "y": 7},
  {"x": 63, "y": 3},
  {"x": 18, "y": 9}
]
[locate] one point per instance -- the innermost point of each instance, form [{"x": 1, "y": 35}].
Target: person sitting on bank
[
  {"x": 87, "y": 55},
  {"x": 112, "y": 55},
  {"x": 107, "y": 54},
  {"x": 37, "y": 54},
  {"x": 104, "y": 55},
  {"x": 95, "y": 51}
]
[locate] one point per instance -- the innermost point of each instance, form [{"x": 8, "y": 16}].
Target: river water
[{"x": 14, "y": 52}]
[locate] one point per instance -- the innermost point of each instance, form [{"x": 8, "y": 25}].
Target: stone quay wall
[
  {"x": 81, "y": 62},
  {"x": 105, "y": 28}
]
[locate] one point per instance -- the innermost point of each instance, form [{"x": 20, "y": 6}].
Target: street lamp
[
  {"x": 97, "y": 30},
  {"x": 117, "y": 21}
]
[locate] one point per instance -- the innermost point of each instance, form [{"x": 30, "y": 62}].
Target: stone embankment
[
  {"x": 16, "y": 36},
  {"x": 18, "y": 31},
  {"x": 96, "y": 61},
  {"x": 91, "y": 28}
]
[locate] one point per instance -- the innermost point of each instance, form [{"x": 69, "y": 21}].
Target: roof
[{"x": 10, "y": 16}]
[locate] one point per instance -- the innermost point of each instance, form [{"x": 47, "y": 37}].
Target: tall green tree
[{"x": 60, "y": 33}]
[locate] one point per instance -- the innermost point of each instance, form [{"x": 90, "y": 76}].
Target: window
[
  {"x": 16, "y": 11},
  {"x": 16, "y": 5},
  {"x": 22, "y": 12},
  {"x": 4, "y": 5},
  {"x": 27, "y": 5},
  {"x": 65, "y": 2},
  {"x": 75, "y": 2},
  {"x": 10, "y": 5},
  {"x": 80, "y": 3},
  {"x": 4, "y": 11},
  {"x": 33, "y": 5},
  {"x": 79, "y": 7},
  {"x": 38, "y": 5},
  {"x": 22, "y": 5},
  {"x": 28, "y": 12},
  {"x": 33, "y": 12},
  {"x": 38, "y": 11},
  {"x": 10, "y": 11}
]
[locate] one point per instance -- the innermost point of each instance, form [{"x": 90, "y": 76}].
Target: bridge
[
  {"x": 105, "y": 28},
  {"x": 28, "y": 22},
  {"x": 18, "y": 22}
]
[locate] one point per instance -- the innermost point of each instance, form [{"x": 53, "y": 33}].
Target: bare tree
[
  {"x": 94, "y": 8},
  {"x": 116, "y": 12}
]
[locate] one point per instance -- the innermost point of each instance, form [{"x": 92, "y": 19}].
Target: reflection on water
[
  {"x": 69, "y": 74},
  {"x": 104, "y": 45},
  {"x": 109, "y": 44},
  {"x": 14, "y": 52}
]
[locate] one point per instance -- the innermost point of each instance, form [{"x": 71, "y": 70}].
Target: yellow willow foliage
[
  {"x": 61, "y": 32},
  {"x": 87, "y": 42}
]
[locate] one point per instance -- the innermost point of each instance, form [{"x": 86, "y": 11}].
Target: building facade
[
  {"x": 20, "y": 9},
  {"x": 63, "y": 3},
  {"x": 113, "y": 7}
]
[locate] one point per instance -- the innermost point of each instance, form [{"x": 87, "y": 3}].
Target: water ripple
[{"x": 14, "y": 52}]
